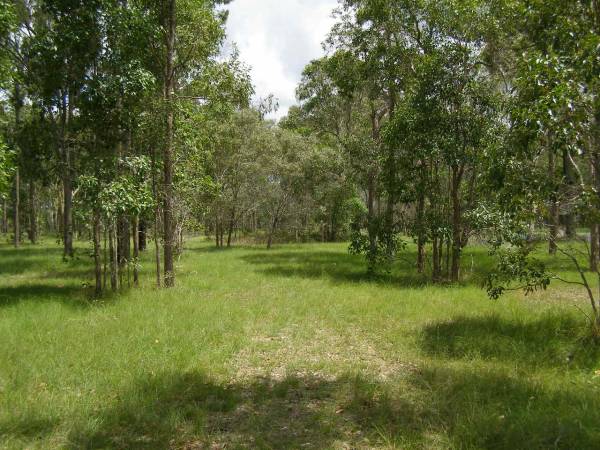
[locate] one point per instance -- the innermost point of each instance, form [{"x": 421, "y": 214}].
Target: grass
[{"x": 289, "y": 349}]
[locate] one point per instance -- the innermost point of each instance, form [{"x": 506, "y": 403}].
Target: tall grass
[{"x": 293, "y": 348}]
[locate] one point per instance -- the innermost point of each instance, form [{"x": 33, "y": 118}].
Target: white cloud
[{"x": 277, "y": 38}]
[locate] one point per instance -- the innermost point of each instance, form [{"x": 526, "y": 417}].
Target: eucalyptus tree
[
  {"x": 189, "y": 37},
  {"x": 552, "y": 161}
]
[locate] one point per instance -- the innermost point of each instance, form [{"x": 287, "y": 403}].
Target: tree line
[{"x": 433, "y": 122}]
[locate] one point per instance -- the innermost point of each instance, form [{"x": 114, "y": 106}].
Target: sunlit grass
[{"x": 293, "y": 348}]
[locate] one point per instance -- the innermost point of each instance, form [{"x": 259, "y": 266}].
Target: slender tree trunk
[
  {"x": 437, "y": 270},
  {"x": 114, "y": 265},
  {"x": 136, "y": 250},
  {"x": 421, "y": 232},
  {"x": 594, "y": 247},
  {"x": 67, "y": 213},
  {"x": 156, "y": 219},
  {"x": 105, "y": 259},
  {"x": 553, "y": 220},
  {"x": 371, "y": 196},
  {"x": 569, "y": 177},
  {"x": 97, "y": 258},
  {"x": 271, "y": 233},
  {"x": 169, "y": 85},
  {"x": 4, "y": 216},
  {"x": 17, "y": 198},
  {"x": 123, "y": 244},
  {"x": 448, "y": 252},
  {"x": 33, "y": 229},
  {"x": 142, "y": 235},
  {"x": 16, "y": 210},
  {"x": 221, "y": 234},
  {"x": 231, "y": 225},
  {"x": 457, "y": 238}
]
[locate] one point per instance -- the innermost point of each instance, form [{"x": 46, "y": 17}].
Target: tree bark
[
  {"x": 142, "y": 235},
  {"x": 33, "y": 228},
  {"x": 16, "y": 210},
  {"x": 436, "y": 255},
  {"x": 594, "y": 247},
  {"x": 421, "y": 231},
  {"x": 136, "y": 250},
  {"x": 553, "y": 219},
  {"x": 17, "y": 198},
  {"x": 112, "y": 249},
  {"x": 457, "y": 237},
  {"x": 4, "y": 216},
  {"x": 97, "y": 258},
  {"x": 569, "y": 177},
  {"x": 169, "y": 86},
  {"x": 67, "y": 213},
  {"x": 231, "y": 226}
]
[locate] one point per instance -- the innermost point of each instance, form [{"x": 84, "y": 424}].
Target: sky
[{"x": 277, "y": 38}]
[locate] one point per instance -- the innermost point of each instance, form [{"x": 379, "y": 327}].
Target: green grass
[{"x": 289, "y": 349}]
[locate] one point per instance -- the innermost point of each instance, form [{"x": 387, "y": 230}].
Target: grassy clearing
[{"x": 293, "y": 348}]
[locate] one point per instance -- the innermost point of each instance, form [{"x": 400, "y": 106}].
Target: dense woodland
[{"x": 434, "y": 122}]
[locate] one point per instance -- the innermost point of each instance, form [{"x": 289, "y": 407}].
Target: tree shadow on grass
[
  {"x": 439, "y": 408},
  {"x": 26, "y": 428},
  {"x": 342, "y": 267},
  {"x": 555, "y": 340},
  {"x": 73, "y": 296}
]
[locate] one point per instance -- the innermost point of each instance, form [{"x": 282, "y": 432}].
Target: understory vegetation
[{"x": 292, "y": 348}]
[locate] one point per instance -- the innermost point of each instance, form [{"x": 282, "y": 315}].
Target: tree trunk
[
  {"x": 569, "y": 177},
  {"x": 67, "y": 213},
  {"x": 136, "y": 250},
  {"x": 457, "y": 238},
  {"x": 169, "y": 86},
  {"x": 553, "y": 219},
  {"x": 4, "y": 216},
  {"x": 142, "y": 235},
  {"x": 104, "y": 259},
  {"x": 271, "y": 233},
  {"x": 17, "y": 198},
  {"x": 594, "y": 247},
  {"x": 231, "y": 225},
  {"x": 33, "y": 229},
  {"x": 112, "y": 248},
  {"x": 421, "y": 232},
  {"x": 123, "y": 244},
  {"x": 97, "y": 259},
  {"x": 436, "y": 255},
  {"x": 16, "y": 210},
  {"x": 156, "y": 219}
]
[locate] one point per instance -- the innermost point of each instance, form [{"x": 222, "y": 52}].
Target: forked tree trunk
[
  {"x": 231, "y": 226},
  {"x": 169, "y": 85}
]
